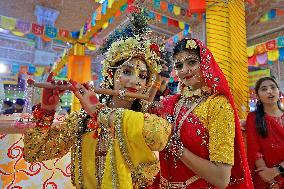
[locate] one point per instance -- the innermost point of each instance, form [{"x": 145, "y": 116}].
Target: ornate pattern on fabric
[
  {"x": 195, "y": 133},
  {"x": 144, "y": 173},
  {"x": 123, "y": 161},
  {"x": 156, "y": 132},
  {"x": 44, "y": 144},
  {"x": 199, "y": 134},
  {"x": 17, "y": 173},
  {"x": 215, "y": 79},
  {"x": 217, "y": 116},
  {"x": 165, "y": 184}
]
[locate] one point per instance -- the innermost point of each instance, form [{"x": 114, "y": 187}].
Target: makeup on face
[
  {"x": 132, "y": 76},
  {"x": 129, "y": 69},
  {"x": 187, "y": 65},
  {"x": 190, "y": 60}
]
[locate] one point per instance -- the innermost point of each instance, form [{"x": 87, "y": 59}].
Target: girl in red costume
[
  {"x": 206, "y": 148},
  {"x": 265, "y": 137}
]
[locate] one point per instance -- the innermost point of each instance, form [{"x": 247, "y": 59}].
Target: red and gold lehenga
[
  {"x": 211, "y": 131},
  {"x": 271, "y": 147}
]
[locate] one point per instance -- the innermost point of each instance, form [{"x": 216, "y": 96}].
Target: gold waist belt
[{"x": 165, "y": 184}]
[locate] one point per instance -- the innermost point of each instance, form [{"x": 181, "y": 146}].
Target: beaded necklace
[{"x": 191, "y": 100}]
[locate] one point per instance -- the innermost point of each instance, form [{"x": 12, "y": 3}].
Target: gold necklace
[{"x": 187, "y": 92}]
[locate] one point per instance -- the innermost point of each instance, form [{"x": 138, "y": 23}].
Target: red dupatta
[
  {"x": 216, "y": 80},
  {"x": 271, "y": 147}
]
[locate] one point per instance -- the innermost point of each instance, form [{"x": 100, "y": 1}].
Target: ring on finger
[{"x": 81, "y": 91}]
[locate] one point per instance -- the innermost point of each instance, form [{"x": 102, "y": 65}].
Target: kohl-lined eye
[
  {"x": 126, "y": 72},
  {"x": 178, "y": 66},
  {"x": 192, "y": 62},
  {"x": 143, "y": 76}
]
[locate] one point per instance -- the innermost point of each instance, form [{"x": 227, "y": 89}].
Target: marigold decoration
[{"x": 191, "y": 44}]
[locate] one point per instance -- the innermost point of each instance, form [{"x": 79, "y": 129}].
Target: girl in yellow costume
[{"x": 111, "y": 144}]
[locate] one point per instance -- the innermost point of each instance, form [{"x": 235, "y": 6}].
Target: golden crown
[{"x": 124, "y": 49}]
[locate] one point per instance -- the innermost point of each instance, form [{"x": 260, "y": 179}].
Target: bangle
[
  {"x": 97, "y": 110},
  {"x": 43, "y": 118}
]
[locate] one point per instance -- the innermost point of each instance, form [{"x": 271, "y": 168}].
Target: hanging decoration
[
  {"x": 272, "y": 14},
  {"x": 197, "y": 6},
  {"x": 20, "y": 28},
  {"x": 37, "y": 29},
  {"x": 266, "y": 53},
  {"x": 262, "y": 58},
  {"x": 168, "y": 21},
  {"x": 177, "y": 37}
]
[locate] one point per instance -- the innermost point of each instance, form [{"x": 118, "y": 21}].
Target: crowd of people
[{"x": 197, "y": 131}]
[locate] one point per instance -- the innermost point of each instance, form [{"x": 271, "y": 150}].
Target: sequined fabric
[
  {"x": 218, "y": 117},
  {"x": 129, "y": 161},
  {"x": 216, "y": 81},
  {"x": 208, "y": 132},
  {"x": 45, "y": 144},
  {"x": 156, "y": 132}
]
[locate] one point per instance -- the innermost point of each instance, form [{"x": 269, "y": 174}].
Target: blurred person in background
[
  {"x": 19, "y": 105},
  {"x": 7, "y": 107},
  {"x": 265, "y": 136}
]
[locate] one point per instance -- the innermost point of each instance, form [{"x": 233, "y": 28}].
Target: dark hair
[
  {"x": 259, "y": 111},
  {"x": 181, "y": 46},
  {"x": 167, "y": 60},
  {"x": 8, "y": 102},
  {"x": 136, "y": 106},
  {"x": 20, "y": 101}
]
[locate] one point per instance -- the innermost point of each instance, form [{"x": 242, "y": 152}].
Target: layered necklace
[{"x": 190, "y": 99}]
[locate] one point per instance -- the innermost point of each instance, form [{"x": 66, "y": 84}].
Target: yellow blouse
[
  {"x": 129, "y": 162},
  {"x": 217, "y": 116}
]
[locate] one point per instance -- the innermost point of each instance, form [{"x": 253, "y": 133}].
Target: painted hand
[
  {"x": 50, "y": 97},
  {"x": 87, "y": 97}
]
